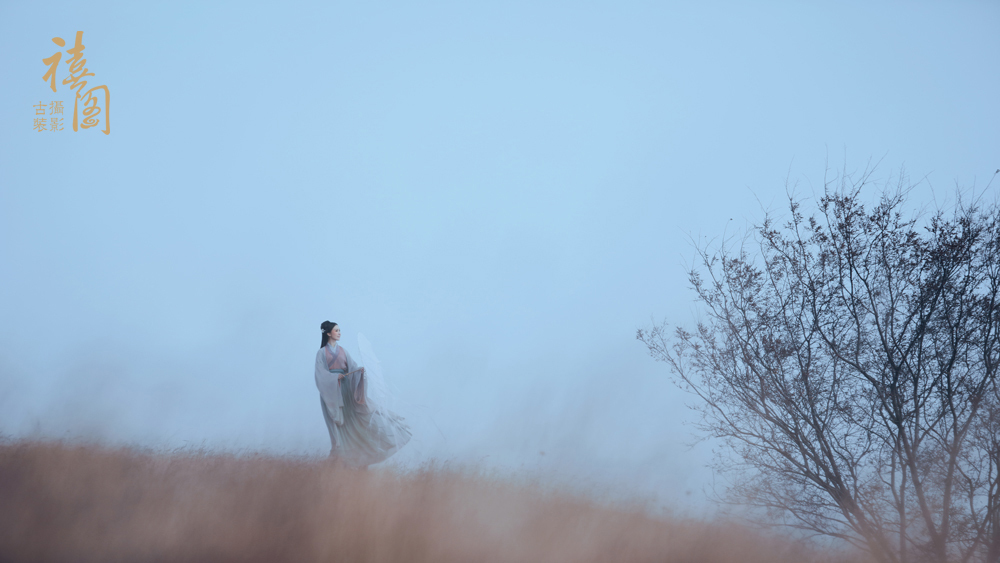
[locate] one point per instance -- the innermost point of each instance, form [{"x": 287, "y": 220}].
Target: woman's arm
[
  {"x": 358, "y": 381},
  {"x": 326, "y": 382},
  {"x": 352, "y": 366}
]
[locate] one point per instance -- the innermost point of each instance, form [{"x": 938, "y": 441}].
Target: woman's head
[{"x": 330, "y": 331}]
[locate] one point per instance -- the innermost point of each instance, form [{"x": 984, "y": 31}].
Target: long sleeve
[
  {"x": 356, "y": 380},
  {"x": 329, "y": 388}
]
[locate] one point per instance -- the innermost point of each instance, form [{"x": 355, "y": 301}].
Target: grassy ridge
[{"x": 65, "y": 502}]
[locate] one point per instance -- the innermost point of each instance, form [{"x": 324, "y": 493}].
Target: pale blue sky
[{"x": 497, "y": 194}]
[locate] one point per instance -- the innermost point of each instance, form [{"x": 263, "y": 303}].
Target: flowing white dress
[{"x": 359, "y": 435}]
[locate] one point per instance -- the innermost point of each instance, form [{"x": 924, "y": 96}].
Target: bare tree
[{"x": 850, "y": 363}]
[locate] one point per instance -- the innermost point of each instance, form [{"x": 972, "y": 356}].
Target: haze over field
[
  {"x": 199, "y": 507},
  {"x": 497, "y": 195}
]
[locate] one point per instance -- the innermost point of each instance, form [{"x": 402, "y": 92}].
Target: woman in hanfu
[{"x": 360, "y": 433}]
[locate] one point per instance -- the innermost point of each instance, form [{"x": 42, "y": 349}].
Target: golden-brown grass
[{"x": 66, "y": 502}]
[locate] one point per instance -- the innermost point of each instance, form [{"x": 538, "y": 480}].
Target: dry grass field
[{"x": 82, "y": 503}]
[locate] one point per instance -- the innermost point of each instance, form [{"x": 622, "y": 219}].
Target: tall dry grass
[{"x": 79, "y": 503}]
